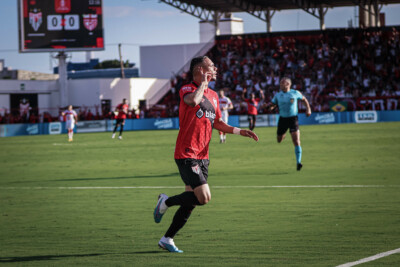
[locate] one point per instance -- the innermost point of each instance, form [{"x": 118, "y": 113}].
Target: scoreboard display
[{"x": 60, "y": 25}]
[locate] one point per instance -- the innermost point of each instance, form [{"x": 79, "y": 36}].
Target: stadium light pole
[
  {"x": 120, "y": 61},
  {"x": 62, "y": 78}
]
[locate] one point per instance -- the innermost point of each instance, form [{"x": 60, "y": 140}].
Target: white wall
[
  {"x": 4, "y": 103},
  {"x": 163, "y": 61},
  {"x": 226, "y": 27},
  {"x": 86, "y": 92}
]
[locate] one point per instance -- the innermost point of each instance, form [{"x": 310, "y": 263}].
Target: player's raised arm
[
  {"x": 223, "y": 127},
  {"x": 193, "y": 99}
]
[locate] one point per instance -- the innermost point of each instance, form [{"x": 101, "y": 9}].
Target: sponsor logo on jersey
[
  {"x": 292, "y": 100},
  {"x": 35, "y": 19},
  {"x": 199, "y": 113},
  {"x": 90, "y": 21}
]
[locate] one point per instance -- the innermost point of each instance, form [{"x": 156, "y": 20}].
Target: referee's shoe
[{"x": 299, "y": 166}]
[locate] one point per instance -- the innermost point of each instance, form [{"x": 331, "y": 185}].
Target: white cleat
[
  {"x": 120, "y": 137},
  {"x": 113, "y": 136}
]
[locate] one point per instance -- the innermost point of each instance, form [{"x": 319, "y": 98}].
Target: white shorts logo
[{"x": 196, "y": 169}]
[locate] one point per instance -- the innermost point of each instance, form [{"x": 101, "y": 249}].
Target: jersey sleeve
[
  {"x": 299, "y": 95},
  {"x": 229, "y": 101},
  {"x": 186, "y": 89}
]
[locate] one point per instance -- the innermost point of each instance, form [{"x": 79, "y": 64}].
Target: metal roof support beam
[
  {"x": 254, "y": 10},
  {"x": 322, "y": 12},
  {"x": 308, "y": 6},
  {"x": 268, "y": 15},
  {"x": 196, "y": 11}
]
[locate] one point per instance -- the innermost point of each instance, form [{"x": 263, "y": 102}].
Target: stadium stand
[{"x": 343, "y": 65}]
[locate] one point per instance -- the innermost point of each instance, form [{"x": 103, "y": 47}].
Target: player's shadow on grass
[
  {"x": 118, "y": 178},
  {"x": 104, "y": 178},
  {"x": 45, "y": 257},
  {"x": 55, "y": 257}
]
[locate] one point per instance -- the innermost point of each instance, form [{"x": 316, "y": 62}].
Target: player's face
[
  {"x": 221, "y": 93},
  {"x": 285, "y": 85},
  {"x": 208, "y": 66}
]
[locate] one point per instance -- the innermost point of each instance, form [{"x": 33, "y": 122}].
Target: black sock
[
  {"x": 121, "y": 130},
  {"x": 186, "y": 199},
  {"x": 115, "y": 128},
  {"x": 180, "y": 218}
]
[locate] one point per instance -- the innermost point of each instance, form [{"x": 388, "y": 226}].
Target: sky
[{"x": 136, "y": 23}]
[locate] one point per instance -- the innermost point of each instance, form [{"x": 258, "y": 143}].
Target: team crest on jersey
[
  {"x": 35, "y": 19},
  {"x": 215, "y": 102},
  {"x": 292, "y": 100},
  {"x": 196, "y": 169},
  {"x": 199, "y": 113},
  {"x": 90, "y": 21}
]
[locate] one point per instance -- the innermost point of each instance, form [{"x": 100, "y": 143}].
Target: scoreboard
[{"x": 60, "y": 25}]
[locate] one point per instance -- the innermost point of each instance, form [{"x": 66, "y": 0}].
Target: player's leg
[
  {"x": 254, "y": 122},
  {"x": 115, "y": 128},
  {"x": 194, "y": 173},
  {"x": 72, "y": 131},
  {"x": 250, "y": 119},
  {"x": 121, "y": 129},
  {"x": 281, "y": 131},
  {"x": 295, "y": 133},
  {"x": 180, "y": 218}
]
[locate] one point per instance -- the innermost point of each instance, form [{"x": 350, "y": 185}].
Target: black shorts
[
  {"x": 194, "y": 172},
  {"x": 291, "y": 123},
  {"x": 251, "y": 117},
  {"x": 120, "y": 121}
]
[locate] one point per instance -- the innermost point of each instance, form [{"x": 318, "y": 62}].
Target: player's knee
[{"x": 204, "y": 199}]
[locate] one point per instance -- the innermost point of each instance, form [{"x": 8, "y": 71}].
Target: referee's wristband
[{"x": 236, "y": 130}]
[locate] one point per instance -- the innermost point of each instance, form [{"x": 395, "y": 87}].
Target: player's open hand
[{"x": 249, "y": 134}]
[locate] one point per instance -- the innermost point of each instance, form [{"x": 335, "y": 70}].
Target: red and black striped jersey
[{"x": 196, "y": 124}]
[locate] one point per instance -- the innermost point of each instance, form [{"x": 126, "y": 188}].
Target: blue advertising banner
[{"x": 263, "y": 120}]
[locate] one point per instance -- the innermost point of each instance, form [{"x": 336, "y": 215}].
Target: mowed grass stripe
[{"x": 248, "y": 222}]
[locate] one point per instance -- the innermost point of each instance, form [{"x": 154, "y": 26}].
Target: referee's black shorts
[
  {"x": 194, "y": 172},
  {"x": 291, "y": 123}
]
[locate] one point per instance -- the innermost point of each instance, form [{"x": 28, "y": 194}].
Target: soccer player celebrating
[
  {"x": 70, "y": 117},
  {"x": 252, "y": 106},
  {"x": 286, "y": 100},
  {"x": 199, "y": 113},
  {"x": 122, "y": 111},
  {"x": 225, "y": 104}
]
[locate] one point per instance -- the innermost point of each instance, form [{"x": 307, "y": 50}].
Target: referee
[{"x": 286, "y": 100}]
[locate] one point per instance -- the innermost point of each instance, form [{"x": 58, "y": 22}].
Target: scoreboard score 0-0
[{"x": 60, "y": 25}]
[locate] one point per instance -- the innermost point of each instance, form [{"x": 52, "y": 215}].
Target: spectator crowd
[{"x": 350, "y": 66}]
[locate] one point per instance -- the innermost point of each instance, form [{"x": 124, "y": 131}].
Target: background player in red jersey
[
  {"x": 199, "y": 113},
  {"x": 122, "y": 111},
  {"x": 252, "y": 106}
]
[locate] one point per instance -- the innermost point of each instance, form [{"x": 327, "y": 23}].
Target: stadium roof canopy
[{"x": 264, "y": 9}]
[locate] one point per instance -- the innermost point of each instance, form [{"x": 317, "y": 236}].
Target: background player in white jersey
[
  {"x": 70, "y": 118},
  {"x": 225, "y": 104}
]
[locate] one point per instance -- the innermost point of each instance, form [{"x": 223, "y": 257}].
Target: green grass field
[{"x": 62, "y": 204}]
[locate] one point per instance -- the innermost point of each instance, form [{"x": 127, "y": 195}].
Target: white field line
[
  {"x": 372, "y": 258},
  {"x": 216, "y": 186}
]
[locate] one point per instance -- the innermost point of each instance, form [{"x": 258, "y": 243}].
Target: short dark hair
[{"x": 195, "y": 61}]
